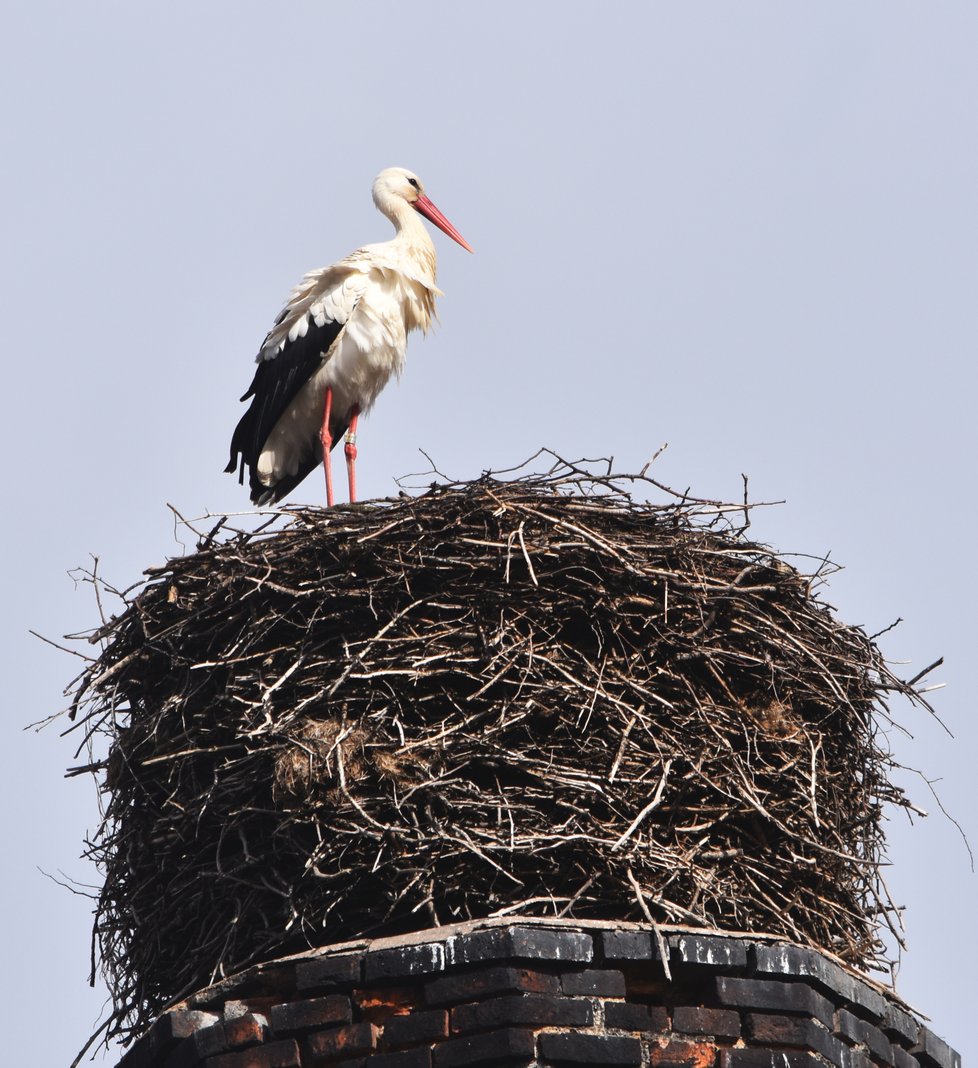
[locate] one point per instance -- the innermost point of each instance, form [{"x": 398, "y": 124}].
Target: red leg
[
  {"x": 326, "y": 438},
  {"x": 350, "y": 448}
]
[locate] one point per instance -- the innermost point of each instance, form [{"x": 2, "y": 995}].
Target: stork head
[{"x": 397, "y": 184}]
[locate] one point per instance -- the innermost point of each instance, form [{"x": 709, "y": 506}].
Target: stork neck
[{"x": 413, "y": 237}]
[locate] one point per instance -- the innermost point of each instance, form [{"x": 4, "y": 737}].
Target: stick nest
[{"x": 530, "y": 697}]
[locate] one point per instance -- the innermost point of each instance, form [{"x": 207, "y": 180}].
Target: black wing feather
[{"x": 274, "y": 387}]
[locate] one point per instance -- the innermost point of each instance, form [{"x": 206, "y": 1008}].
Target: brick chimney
[{"x": 546, "y": 993}]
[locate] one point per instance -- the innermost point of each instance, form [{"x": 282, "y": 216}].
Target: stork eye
[{"x": 414, "y": 182}]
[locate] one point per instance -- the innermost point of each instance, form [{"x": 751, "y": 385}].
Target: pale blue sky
[{"x": 748, "y": 230}]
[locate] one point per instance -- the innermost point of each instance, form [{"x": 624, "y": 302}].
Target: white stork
[{"x": 335, "y": 345}]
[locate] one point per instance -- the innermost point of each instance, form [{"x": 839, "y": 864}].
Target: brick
[
  {"x": 723, "y": 1023},
  {"x": 780, "y": 959},
  {"x": 763, "y": 1058},
  {"x": 324, "y": 973},
  {"x": 344, "y": 1041},
  {"x": 628, "y": 945},
  {"x": 596, "y": 982},
  {"x": 183, "y": 1056},
  {"x": 247, "y": 1030},
  {"x": 862, "y": 1033},
  {"x": 933, "y": 1050},
  {"x": 899, "y": 1024},
  {"x": 380, "y": 1003},
  {"x": 472, "y": 985},
  {"x": 590, "y": 1049},
  {"x": 414, "y": 1027},
  {"x": 269, "y": 978},
  {"x": 710, "y": 952},
  {"x": 683, "y": 1054},
  {"x": 178, "y": 1024},
  {"x": 203, "y": 1043},
  {"x": 140, "y": 1054},
  {"x": 209, "y": 1040},
  {"x": 295, "y": 1016},
  {"x": 773, "y": 995},
  {"x": 522, "y": 1010},
  {"x": 179, "y": 1039},
  {"x": 902, "y": 1059},
  {"x": 495, "y": 1047},
  {"x": 870, "y": 1002},
  {"x": 241, "y": 1007},
  {"x": 797, "y": 1031},
  {"x": 273, "y": 1055},
  {"x": 521, "y": 943},
  {"x": 412, "y": 1058},
  {"x": 847, "y": 1026},
  {"x": 626, "y": 1016},
  {"x": 401, "y": 962}
]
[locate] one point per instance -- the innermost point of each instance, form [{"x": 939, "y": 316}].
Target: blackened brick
[
  {"x": 344, "y": 1041},
  {"x": 724, "y": 1023},
  {"x": 597, "y": 982},
  {"x": 788, "y": 960},
  {"x": 247, "y": 1030},
  {"x": 496, "y": 1047},
  {"x": 203, "y": 1043},
  {"x": 209, "y": 1040},
  {"x": 279, "y": 977},
  {"x": 625, "y": 1016},
  {"x": 711, "y": 952},
  {"x": 181, "y": 1052},
  {"x": 797, "y": 1031},
  {"x": 521, "y": 943},
  {"x": 870, "y": 1002},
  {"x": 411, "y": 1058},
  {"x": 590, "y": 1049},
  {"x": 295, "y": 1016},
  {"x": 323, "y": 973},
  {"x": 141, "y": 1054},
  {"x": 773, "y": 995},
  {"x": 900, "y": 1025},
  {"x": 762, "y": 1058},
  {"x": 466, "y": 987},
  {"x": 862, "y": 1033},
  {"x": 628, "y": 945},
  {"x": 400, "y": 962},
  {"x": 274, "y": 1055},
  {"x": 902, "y": 1059},
  {"x": 414, "y": 1027},
  {"x": 522, "y": 1010},
  {"x": 183, "y": 1056},
  {"x": 846, "y": 1025},
  {"x": 933, "y": 1050}
]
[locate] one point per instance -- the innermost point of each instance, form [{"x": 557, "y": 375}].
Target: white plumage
[{"x": 336, "y": 344}]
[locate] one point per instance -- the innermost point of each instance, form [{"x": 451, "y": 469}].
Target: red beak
[{"x": 429, "y": 211}]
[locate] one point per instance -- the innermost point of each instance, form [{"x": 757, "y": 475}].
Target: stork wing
[{"x": 294, "y": 349}]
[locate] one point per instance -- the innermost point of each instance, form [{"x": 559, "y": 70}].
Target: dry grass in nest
[{"x": 538, "y": 696}]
